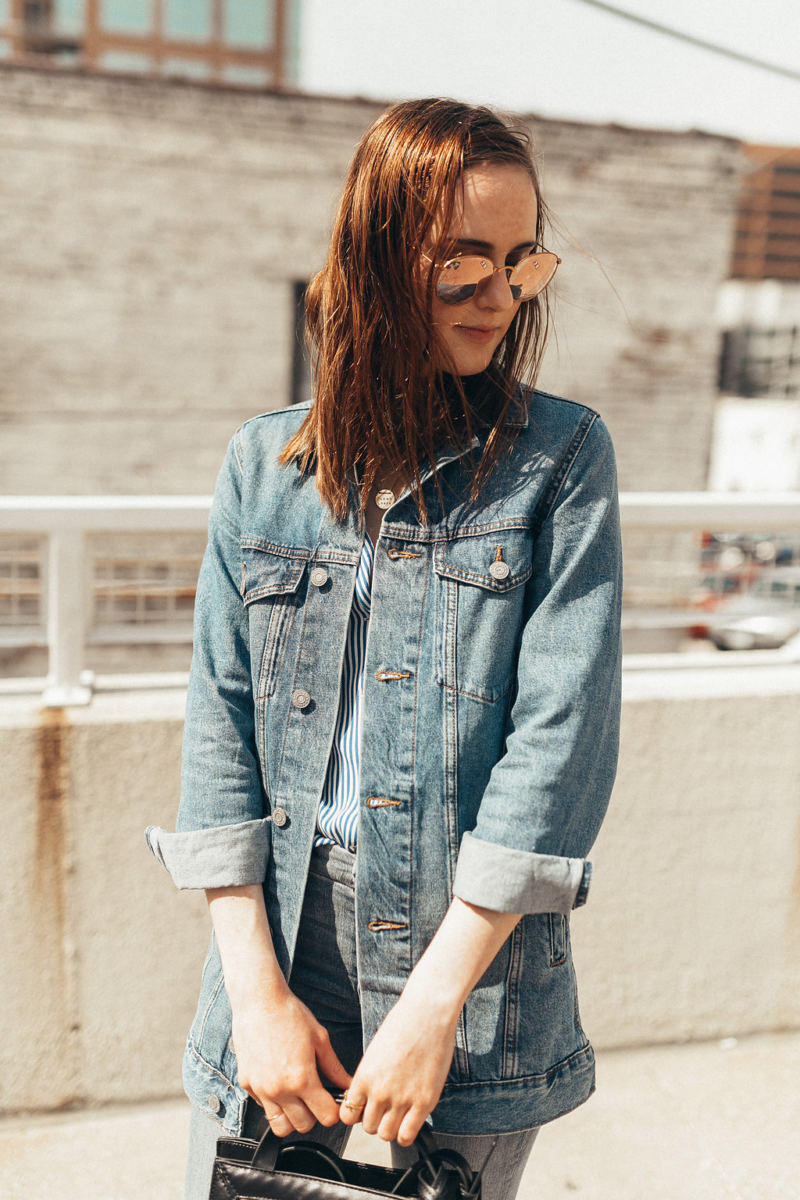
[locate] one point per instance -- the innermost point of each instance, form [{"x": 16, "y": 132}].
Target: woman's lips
[{"x": 477, "y": 333}]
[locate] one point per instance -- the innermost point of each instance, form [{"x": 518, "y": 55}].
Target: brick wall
[{"x": 151, "y": 234}]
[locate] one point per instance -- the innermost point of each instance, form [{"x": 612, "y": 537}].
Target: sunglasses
[{"x": 459, "y": 278}]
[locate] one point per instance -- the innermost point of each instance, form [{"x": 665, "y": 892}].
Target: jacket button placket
[
  {"x": 311, "y": 708},
  {"x": 389, "y": 710}
]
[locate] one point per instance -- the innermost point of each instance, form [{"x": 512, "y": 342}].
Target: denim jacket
[{"x": 489, "y": 739}]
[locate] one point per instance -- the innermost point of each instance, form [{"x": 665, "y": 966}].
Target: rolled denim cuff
[
  {"x": 519, "y": 881},
  {"x": 220, "y": 856}
]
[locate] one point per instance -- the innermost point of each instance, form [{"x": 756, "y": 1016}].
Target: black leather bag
[{"x": 272, "y": 1169}]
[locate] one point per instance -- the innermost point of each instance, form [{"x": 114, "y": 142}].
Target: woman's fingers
[
  {"x": 351, "y": 1109},
  {"x": 410, "y": 1126},
  {"x": 374, "y": 1113},
  {"x": 389, "y": 1125},
  {"x": 329, "y": 1064},
  {"x": 280, "y": 1124},
  {"x": 298, "y": 1114}
]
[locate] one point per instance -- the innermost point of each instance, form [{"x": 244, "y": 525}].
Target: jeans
[{"x": 325, "y": 977}]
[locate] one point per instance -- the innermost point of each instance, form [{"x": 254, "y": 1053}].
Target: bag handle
[
  {"x": 438, "y": 1174},
  {"x": 442, "y": 1174}
]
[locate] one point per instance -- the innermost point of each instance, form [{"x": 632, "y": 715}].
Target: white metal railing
[{"x": 67, "y": 521}]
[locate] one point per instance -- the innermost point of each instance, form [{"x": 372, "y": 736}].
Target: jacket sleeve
[
  {"x": 222, "y": 835},
  {"x": 547, "y": 795}
]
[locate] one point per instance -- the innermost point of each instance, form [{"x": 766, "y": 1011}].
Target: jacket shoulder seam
[
  {"x": 274, "y": 412},
  {"x": 563, "y": 400},
  {"x": 547, "y": 503},
  {"x": 303, "y": 407}
]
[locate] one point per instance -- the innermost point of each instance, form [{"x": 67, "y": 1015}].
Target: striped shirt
[{"x": 337, "y": 816}]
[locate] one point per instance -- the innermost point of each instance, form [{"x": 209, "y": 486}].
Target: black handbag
[{"x": 273, "y": 1169}]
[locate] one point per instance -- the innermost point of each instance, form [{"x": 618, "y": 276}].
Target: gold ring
[
  {"x": 274, "y": 1116},
  {"x": 347, "y": 1103}
]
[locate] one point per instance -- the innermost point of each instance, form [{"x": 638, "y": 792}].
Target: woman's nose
[{"x": 495, "y": 292}]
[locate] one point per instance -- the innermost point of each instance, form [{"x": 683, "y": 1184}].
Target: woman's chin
[{"x": 473, "y": 361}]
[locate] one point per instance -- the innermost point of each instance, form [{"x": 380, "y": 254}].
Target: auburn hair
[{"x": 383, "y": 394}]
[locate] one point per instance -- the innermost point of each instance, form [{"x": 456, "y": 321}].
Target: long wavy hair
[{"x": 385, "y": 390}]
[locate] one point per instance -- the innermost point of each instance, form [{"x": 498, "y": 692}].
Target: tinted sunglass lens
[
  {"x": 460, "y": 277},
  {"x": 533, "y": 274},
  {"x": 455, "y": 293}
]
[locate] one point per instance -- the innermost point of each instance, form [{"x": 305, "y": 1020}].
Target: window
[
  {"x": 301, "y": 364},
  {"x": 130, "y": 64},
  {"x": 68, "y": 16},
  {"x": 246, "y": 42},
  {"x": 761, "y": 362},
  {"x": 189, "y": 19},
  {"x": 249, "y": 76},
  {"x": 186, "y": 68},
  {"x": 126, "y": 16},
  {"x": 248, "y": 24}
]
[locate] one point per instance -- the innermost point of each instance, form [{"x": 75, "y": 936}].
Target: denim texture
[
  {"x": 325, "y": 977},
  {"x": 489, "y": 740}
]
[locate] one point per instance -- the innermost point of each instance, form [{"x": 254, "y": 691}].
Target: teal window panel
[
  {"x": 4, "y": 12},
  {"x": 249, "y": 23},
  {"x": 5, "y": 48},
  {"x": 69, "y": 16},
  {"x": 187, "y": 68},
  {"x": 253, "y": 76},
  {"x": 190, "y": 19},
  {"x": 126, "y": 16},
  {"x": 116, "y": 60}
]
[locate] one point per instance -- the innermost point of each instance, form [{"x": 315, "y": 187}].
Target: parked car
[{"x": 764, "y": 617}]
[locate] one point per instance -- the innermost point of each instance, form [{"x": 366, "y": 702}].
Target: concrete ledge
[{"x": 692, "y": 929}]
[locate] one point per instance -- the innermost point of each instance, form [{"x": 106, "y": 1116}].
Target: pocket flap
[
  {"x": 270, "y": 570},
  {"x": 498, "y": 561}
]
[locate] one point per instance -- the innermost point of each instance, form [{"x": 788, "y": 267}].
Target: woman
[{"x": 406, "y": 643}]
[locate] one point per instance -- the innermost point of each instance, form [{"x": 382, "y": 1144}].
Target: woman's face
[{"x": 495, "y": 216}]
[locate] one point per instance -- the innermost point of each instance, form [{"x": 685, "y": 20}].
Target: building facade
[{"x": 156, "y": 235}]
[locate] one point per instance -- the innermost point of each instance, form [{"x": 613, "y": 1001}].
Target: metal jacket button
[
  {"x": 301, "y": 698},
  {"x": 319, "y": 576},
  {"x": 214, "y": 1103},
  {"x": 279, "y": 817},
  {"x": 499, "y": 570}
]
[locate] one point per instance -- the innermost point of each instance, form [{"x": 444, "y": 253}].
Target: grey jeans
[{"x": 325, "y": 977}]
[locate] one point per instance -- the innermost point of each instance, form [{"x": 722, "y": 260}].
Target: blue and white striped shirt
[{"x": 337, "y": 817}]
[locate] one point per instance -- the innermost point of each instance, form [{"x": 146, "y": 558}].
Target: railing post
[{"x": 66, "y": 620}]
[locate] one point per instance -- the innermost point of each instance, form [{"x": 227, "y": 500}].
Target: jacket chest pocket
[
  {"x": 270, "y": 587},
  {"x": 480, "y": 594}
]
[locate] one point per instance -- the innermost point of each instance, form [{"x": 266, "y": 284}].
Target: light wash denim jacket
[{"x": 490, "y": 724}]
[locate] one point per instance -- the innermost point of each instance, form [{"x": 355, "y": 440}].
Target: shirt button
[
  {"x": 214, "y": 1103},
  {"x": 301, "y": 698},
  {"x": 499, "y": 570},
  {"x": 319, "y": 576},
  {"x": 279, "y": 817}
]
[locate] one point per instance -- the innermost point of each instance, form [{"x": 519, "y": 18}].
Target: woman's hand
[
  {"x": 280, "y": 1046},
  {"x": 280, "y": 1050},
  {"x": 400, "y": 1078}
]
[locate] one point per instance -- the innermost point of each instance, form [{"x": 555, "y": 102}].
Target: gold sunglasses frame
[{"x": 505, "y": 267}]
